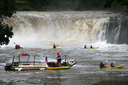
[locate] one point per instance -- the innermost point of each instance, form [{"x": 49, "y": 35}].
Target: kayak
[
  {"x": 58, "y": 68},
  {"x": 120, "y": 66},
  {"x": 94, "y": 48},
  {"x": 54, "y": 48},
  {"x": 91, "y": 48},
  {"x": 19, "y": 48}
]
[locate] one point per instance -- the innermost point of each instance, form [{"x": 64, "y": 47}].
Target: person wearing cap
[
  {"x": 54, "y": 46},
  {"x": 112, "y": 65},
  {"x": 58, "y": 59},
  {"x": 85, "y": 46},
  {"x": 102, "y": 65}
]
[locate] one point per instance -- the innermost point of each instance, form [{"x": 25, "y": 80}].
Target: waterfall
[
  {"x": 117, "y": 30},
  {"x": 68, "y": 28}
]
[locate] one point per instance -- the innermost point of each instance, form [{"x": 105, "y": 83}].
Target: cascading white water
[{"x": 61, "y": 28}]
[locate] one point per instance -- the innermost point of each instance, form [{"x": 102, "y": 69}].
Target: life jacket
[
  {"x": 54, "y": 46},
  {"x": 84, "y": 46},
  {"x": 24, "y": 54},
  {"x": 46, "y": 60},
  {"x": 111, "y": 65},
  {"x": 59, "y": 57},
  {"x": 101, "y": 65},
  {"x": 16, "y": 47}
]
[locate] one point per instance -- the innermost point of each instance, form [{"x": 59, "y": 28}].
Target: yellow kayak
[
  {"x": 58, "y": 68},
  {"x": 19, "y": 48},
  {"x": 91, "y": 48},
  {"x": 54, "y": 48},
  {"x": 94, "y": 48},
  {"x": 120, "y": 66}
]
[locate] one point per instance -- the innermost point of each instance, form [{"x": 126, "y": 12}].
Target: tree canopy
[
  {"x": 7, "y": 8},
  {"x": 108, "y": 3},
  {"x": 67, "y": 5}
]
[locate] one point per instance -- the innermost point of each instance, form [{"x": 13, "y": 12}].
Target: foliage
[
  {"x": 91, "y": 5},
  {"x": 108, "y": 3},
  {"x": 5, "y": 33},
  {"x": 7, "y": 8},
  {"x": 65, "y": 5},
  {"x": 18, "y": 1}
]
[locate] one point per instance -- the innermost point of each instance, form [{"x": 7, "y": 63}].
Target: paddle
[
  {"x": 20, "y": 69},
  {"x": 106, "y": 61},
  {"x": 114, "y": 63},
  {"x": 14, "y": 43}
]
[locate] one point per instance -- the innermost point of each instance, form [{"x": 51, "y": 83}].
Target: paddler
[
  {"x": 46, "y": 60},
  {"x": 17, "y": 46},
  {"x": 91, "y": 46},
  {"x": 102, "y": 65},
  {"x": 85, "y": 46},
  {"x": 54, "y": 46},
  {"x": 112, "y": 65},
  {"x": 58, "y": 59}
]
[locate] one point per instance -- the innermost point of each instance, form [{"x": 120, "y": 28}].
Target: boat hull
[
  {"x": 91, "y": 48},
  {"x": 26, "y": 66},
  {"x": 54, "y": 48},
  {"x": 59, "y": 68},
  {"x": 19, "y": 48},
  {"x": 95, "y": 48}
]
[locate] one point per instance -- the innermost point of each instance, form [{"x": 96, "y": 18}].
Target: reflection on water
[
  {"x": 58, "y": 78},
  {"x": 112, "y": 83},
  {"x": 84, "y": 72}
]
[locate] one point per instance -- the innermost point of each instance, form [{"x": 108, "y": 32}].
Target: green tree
[
  {"x": 7, "y": 8},
  {"x": 108, "y": 3},
  {"x": 39, "y": 3}
]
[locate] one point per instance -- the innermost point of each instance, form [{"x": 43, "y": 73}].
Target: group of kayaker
[
  {"x": 103, "y": 65},
  {"x": 59, "y": 56},
  {"x": 17, "y": 46},
  {"x": 86, "y": 46},
  {"x": 54, "y": 46}
]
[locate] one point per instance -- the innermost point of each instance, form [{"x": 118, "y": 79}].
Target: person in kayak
[
  {"x": 54, "y": 46},
  {"x": 58, "y": 59},
  {"x": 112, "y": 65},
  {"x": 91, "y": 46},
  {"x": 46, "y": 60},
  {"x": 85, "y": 46},
  {"x": 17, "y": 46},
  {"x": 102, "y": 65}
]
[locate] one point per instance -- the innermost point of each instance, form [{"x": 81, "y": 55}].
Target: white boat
[{"x": 25, "y": 62}]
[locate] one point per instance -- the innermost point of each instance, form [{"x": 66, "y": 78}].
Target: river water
[
  {"x": 84, "y": 72},
  {"x": 36, "y": 32}
]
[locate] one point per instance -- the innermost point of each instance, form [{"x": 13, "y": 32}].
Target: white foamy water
[{"x": 39, "y": 29}]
